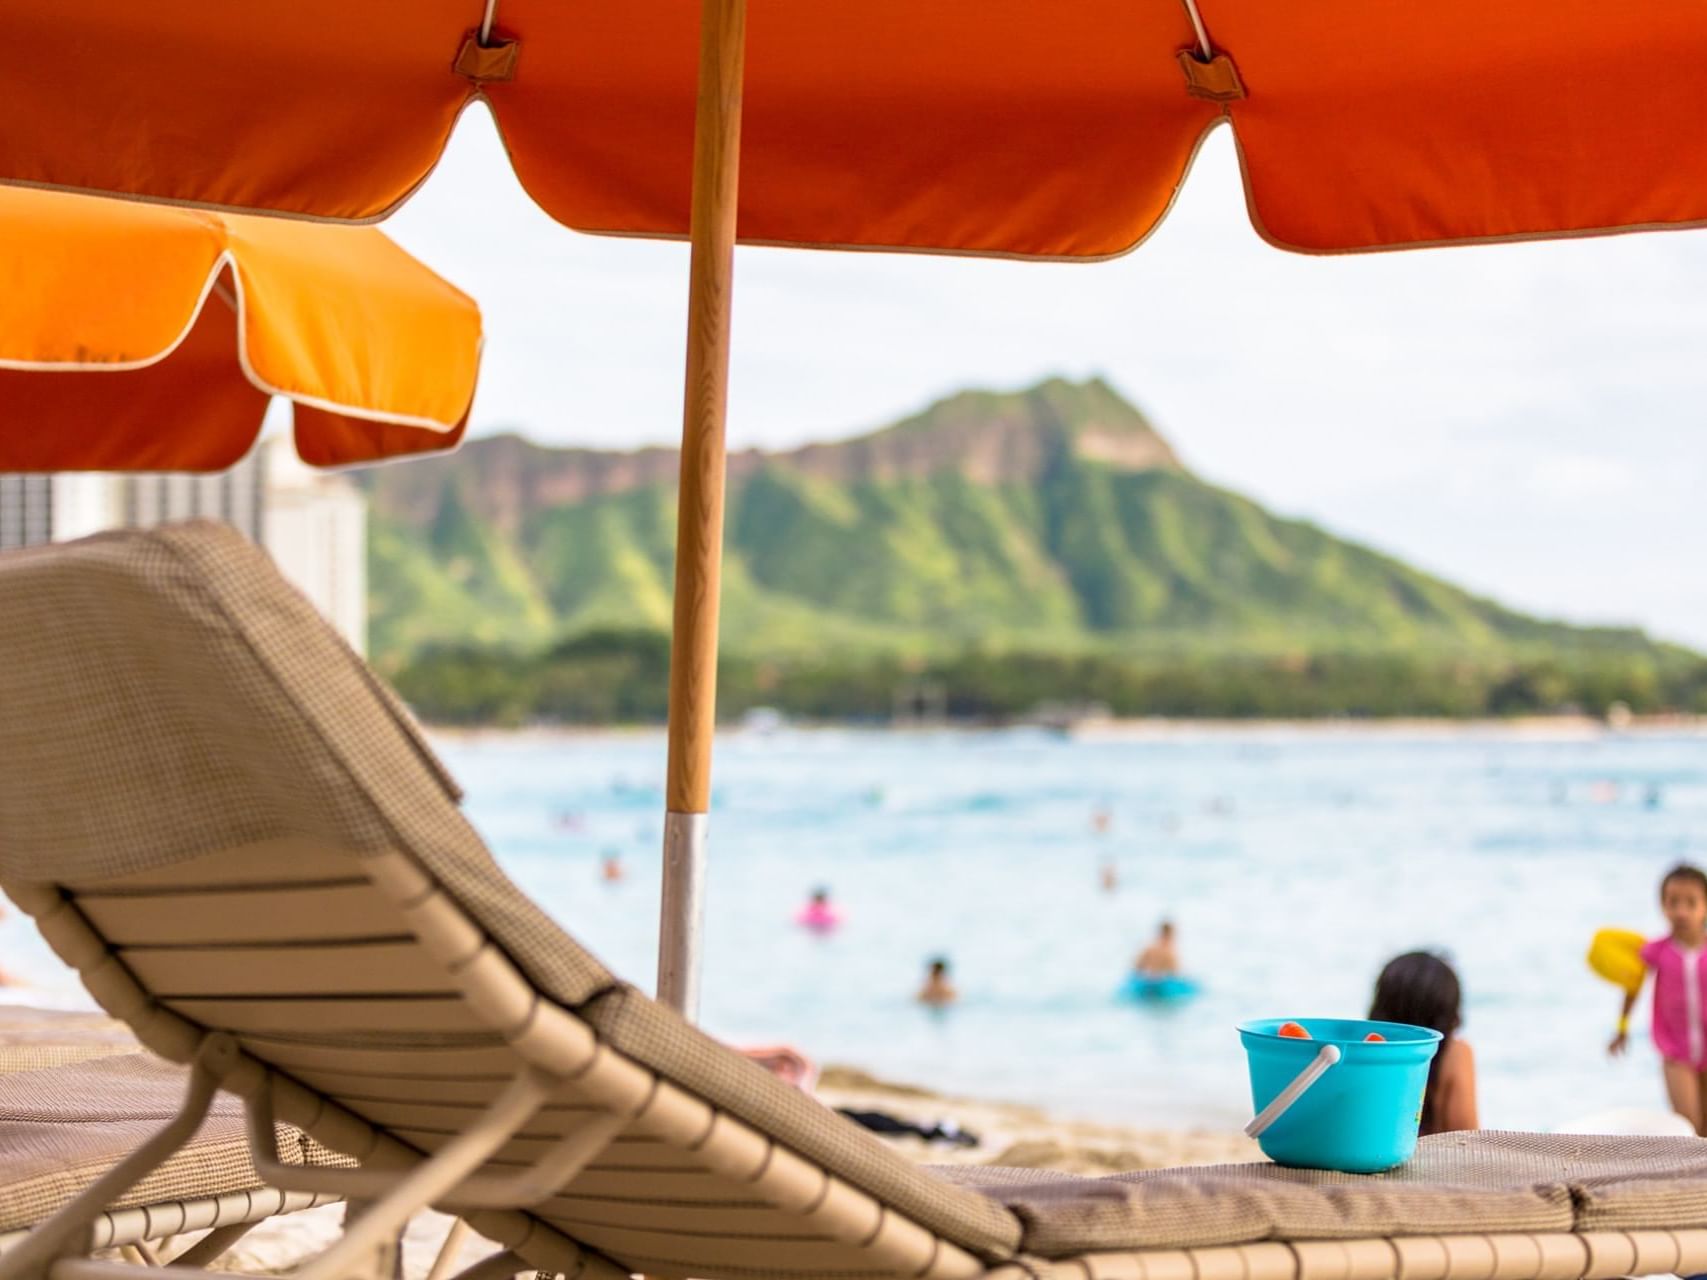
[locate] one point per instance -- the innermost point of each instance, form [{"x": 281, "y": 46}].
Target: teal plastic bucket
[{"x": 1361, "y": 1114}]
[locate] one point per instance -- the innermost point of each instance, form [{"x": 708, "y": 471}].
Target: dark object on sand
[{"x": 895, "y": 1127}]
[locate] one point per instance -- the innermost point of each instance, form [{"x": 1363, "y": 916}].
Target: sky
[{"x": 1526, "y": 420}]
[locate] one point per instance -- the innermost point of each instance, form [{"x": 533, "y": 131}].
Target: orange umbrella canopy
[
  {"x": 135, "y": 337},
  {"x": 1007, "y": 127}
]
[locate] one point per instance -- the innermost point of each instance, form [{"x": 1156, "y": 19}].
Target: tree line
[{"x": 620, "y": 677}]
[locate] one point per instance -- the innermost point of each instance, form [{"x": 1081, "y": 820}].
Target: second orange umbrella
[{"x": 141, "y": 338}]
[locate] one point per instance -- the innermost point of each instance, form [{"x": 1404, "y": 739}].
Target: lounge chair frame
[
  {"x": 226, "y": 1219},
  {"x": 555, "y": 1046},
  {"x": 145, "y": 1233}
]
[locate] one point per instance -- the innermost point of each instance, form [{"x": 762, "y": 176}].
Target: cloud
[{"x": 1577, "y": 477}]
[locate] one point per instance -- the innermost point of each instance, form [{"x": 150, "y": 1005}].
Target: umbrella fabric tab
[
  {"x": 487, "y": 63},
  {"x": 1216, "y": 80}
]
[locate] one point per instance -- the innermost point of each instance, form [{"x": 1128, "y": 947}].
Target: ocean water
[{"x": 1295, "y": 862}]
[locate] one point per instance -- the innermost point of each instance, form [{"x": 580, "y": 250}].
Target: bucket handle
[{"x": 1330, "y": 1054}]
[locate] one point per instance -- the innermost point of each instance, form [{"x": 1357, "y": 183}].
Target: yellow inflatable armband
[{"x": 1616, "y": 955}]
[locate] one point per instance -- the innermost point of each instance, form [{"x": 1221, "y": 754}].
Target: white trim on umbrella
[{"x": 227, "y": 262}]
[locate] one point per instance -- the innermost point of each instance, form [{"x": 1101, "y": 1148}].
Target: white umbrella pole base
[{"x": 681, "y": 922}]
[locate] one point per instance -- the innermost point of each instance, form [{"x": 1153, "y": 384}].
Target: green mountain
[{"x": 1053, "y": 519}]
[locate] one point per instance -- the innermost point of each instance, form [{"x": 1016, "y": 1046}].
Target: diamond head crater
[{"x": 997, "y": 556}]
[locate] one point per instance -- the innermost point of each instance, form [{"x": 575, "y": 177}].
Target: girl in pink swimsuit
[{"x": 1678, "y": 963}]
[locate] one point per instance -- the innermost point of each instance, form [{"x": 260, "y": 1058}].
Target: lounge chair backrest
[{"x": 225, "y": 822}]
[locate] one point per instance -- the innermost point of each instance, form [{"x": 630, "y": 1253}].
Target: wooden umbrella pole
[{"x": 699, "y": 512}]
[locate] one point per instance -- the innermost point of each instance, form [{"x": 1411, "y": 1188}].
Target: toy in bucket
[{"x": 1337, "y": 1093}]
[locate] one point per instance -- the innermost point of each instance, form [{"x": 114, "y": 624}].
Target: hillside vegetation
[{"x": 1051, "y": 530}]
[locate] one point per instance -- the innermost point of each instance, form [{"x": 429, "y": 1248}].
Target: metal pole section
[
  {"x": 682, "y": 911},
  {"x": 699, "y": 517}
]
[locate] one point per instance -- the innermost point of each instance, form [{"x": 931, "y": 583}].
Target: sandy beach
[{"x": 1014, "y": 1134}]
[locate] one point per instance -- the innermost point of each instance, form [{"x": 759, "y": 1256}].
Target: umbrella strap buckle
[
  {"x": 486, "y": 63},
  {"x": 1214, "y": 79},
  {"x": 1208, "y": 75}
]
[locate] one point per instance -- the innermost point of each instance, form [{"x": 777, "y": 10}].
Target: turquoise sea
[{"x": 1295, "y": 861}]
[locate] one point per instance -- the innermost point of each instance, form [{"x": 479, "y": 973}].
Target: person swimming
[
  {"x": 611, "y": 870},
  {"x": 938, "y": 991},
  {"x": 820, "y": 915},
  {"x": 1161, "y": 958},
  {"x": 1421, "y": 988}
]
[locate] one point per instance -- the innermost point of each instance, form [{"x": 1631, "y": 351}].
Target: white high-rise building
[{"x": 314, "y": 524}]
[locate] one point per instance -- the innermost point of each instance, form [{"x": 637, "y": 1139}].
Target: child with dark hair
[
  {"x": 1678, "y": 963},
  {"x": 1421, "y": 989}
]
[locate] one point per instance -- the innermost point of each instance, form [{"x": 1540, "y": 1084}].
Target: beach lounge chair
[
  {"x": 62, "y": 1128},
  {"x": 237, "y": 836}
]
